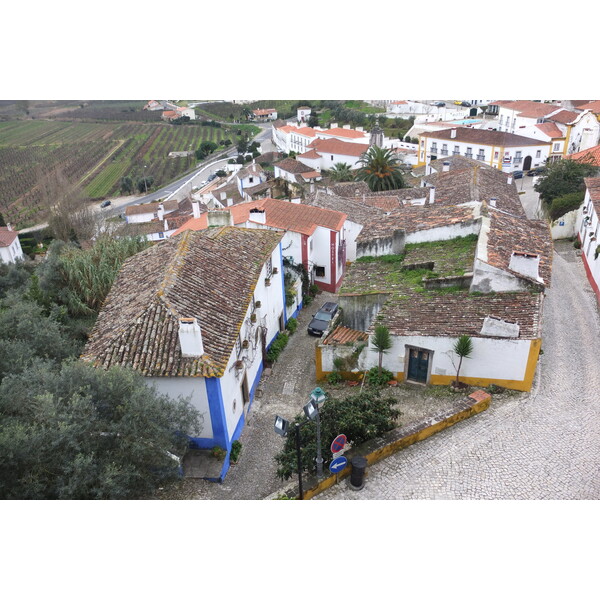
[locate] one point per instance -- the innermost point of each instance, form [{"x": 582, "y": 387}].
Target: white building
[
  {"x": 194, "y": 315},
  {"x": 10, "y": 246},
  {"x": 505, "y": 151},
  {"x": 588, "y": 229}
]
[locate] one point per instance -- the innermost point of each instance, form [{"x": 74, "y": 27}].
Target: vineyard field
[{"x": 94, "y": 154}]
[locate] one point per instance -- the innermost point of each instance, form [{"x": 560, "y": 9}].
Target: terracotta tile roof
[
  {"x": 335, "y": 146},
  {"x": 357, "y": 212},
  {"x": 592, "y": 154},
  {"x": 7, "y": 237},
  {"x": 460, "y": 313},
  {"x": 301, "y": 218},
  {"x": 594, "y": 106},
  {"x": 194, "y": 224},
  {"x": 142, "y": 209},
  {"x": 510, "y": 234},
  {"x": 485, "y": 137},
  {"x": 342, "y": 335},
  {"x": 416, "y": 218},
  {"x": 347, "y": 133},
  {"x": 259, "y": 112},
  {"x": 475, "y": 183},
  {"x": 310, "y": 154},
  {"x": 309, "y": 175},
  {"x": 550, "y": 129},
  {"x": 291, "y": 165},
  {"x": 197, "y": 274},
  {"x": 349, "y": 189},
  {"x": 528, "y": 108},
  {"x": 306, "y": 131},
  {"x": 564, "y": 116}
]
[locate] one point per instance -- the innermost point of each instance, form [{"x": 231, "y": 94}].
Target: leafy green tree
[
  {"x": 382, "y": 342},
  {"x": 143, "y": 184},
  {"x": 380, "y": 170},
  {"x": 15, "y": 277},
  {"x": 75, "y": 432},
  {"x": 341, "y": 172},
  {"x": 313, "y": 121},
  {"x": 564, "y": 204},
  {"x": 361, "y": 417},
  {"x": 207, "y": 148},
  {"x": 27, "y": 334},
  {"x": 463, "y": 348},
  {"x": 563, "y": 177},
  {"x": 127, "y": 185}
]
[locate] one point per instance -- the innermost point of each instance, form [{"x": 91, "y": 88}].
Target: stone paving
[{"x": 544, "y": 445}]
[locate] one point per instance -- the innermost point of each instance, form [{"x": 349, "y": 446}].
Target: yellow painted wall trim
[{"x": 399, "y": 444}]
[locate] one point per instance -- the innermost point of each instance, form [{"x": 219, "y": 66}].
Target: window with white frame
[{"x": 538, "y": 154}]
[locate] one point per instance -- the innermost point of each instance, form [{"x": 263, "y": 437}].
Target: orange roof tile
[
  {"x": 550, "y": 129},
  {"x": 594, "y": 106},
  {"x": 592, "y": 154},
  {"x": 348, "y": 133},
  {"x": 335, "y": 146}
]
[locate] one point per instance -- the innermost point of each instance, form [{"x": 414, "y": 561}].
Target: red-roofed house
[
  {"x": 358, "y": 135},
  {"x": 265, "y": 114},
  {"x": 315, "y": 237},
  {"x": 324, "y": 153},
  {"x": 591, "y": 155},
  {"x": 10, "y": 246}
]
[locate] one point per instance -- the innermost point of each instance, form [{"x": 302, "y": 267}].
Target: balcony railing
[
  {"x": 481, "y": 157},
  {"x": 469, "y": 154},
  {"x": 444, "y": 152},
  {"x": 456, "y": 153},
  {"x": 517, "y": 160}
]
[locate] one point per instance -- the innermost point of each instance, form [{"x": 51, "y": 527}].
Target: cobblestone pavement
[
  {"x": 545, "y": 445},
  {"x": 285, "y": 392}
]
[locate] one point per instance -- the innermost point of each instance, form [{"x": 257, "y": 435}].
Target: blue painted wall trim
[
  {"x": 256, "y": 382},
  {"x": 217, "y": 413}
]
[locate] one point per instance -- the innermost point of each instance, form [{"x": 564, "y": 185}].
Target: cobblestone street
[{"x": 545, "y": 445}]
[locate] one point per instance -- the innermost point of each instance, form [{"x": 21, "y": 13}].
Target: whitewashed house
[
  {"x": 264, "y": 114},
  {"x": 477, "y": 247},
  {"x": 322, "y": 153},
  {"x": 303, "y": 114},
  {"x": 10, "y": 246},
  {"x": 588, "y": 229},
  {"x": 194, "y": 315}
]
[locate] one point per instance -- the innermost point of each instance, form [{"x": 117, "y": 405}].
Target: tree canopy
[
  {"x": 563, "y": 177},
  {"x": 380, "y": 169},
  {"x": 76, "y": 432}
]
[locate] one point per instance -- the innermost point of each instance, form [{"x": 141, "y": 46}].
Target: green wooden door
[{"x": 418, "y": 365}]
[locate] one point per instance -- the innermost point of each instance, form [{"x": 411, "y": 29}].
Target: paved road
[{"x": 545, "y": 445}]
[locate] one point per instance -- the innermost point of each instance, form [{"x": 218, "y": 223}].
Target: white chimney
[
  {"x": 333, "y": 125},
  {"x": 9, "y": 227},
  {"x": 509, "y": 180},
  {"x": 453, "y": 133},
  {"x": 229, "y": 201},
  {"x": 431, "y": 195},
  {"x": 493, "y": 202},
  {"x": 258, "y": 215},
  {"x": 190, "y": 338},
  {"x": 161, "y": 212},
  {"x": 196, "y": 209},
  {"x": 446, "y": 166}
]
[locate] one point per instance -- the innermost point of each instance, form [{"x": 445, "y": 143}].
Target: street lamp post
[{"x": 145, "y": 180}]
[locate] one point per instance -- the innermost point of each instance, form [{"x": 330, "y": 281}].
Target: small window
[
  {"x": 269, "y": 268},
  {"x": 538, "y": 154},
  {"x": 319, "y": 271}
]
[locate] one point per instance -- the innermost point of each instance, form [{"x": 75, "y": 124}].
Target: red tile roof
[
  {"x": 259, "y": 112},
  {"x": 485, "y": 137},
  {"x": 335, "y": 146},
  {"x": 550, "y": 129},
  {"x": 342, "y": 335},
  {"x": 592, "y": 154},
  {"x": 528, "y": 108},
  {"x": 341, "y": 132},
  {"x": 301, "y": 218},
  {"x": 564, "y": 116},
  {"x": 7, "y": 237},
  {"x": 594, "y": 106},
  {"x": 593, "y": 186}
]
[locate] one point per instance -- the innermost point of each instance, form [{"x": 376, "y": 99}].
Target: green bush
[
  {"x": 277, "y": 346},
  {"x": 236, "y": 448},
  {"x": 313, "y": 289},
  {"x": 375, "y": 378},
  {"x": 292, "y": 325},
  {"x": 562, "y": 205},
  {"x": 577, "y": 244},
  {"x": 361, "y": 417},
  {"x": 334, "y": 377}
]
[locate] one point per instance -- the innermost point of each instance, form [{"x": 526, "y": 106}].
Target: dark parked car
[
  {"x": 517, "y": 174},
  {"x": 537, "y": 171},
  {"x": 465, "y": 104},
  {"x": 211, "y": 177},
  {"x": 105, "y": 204},
  {"x": 321, "y": 320}
]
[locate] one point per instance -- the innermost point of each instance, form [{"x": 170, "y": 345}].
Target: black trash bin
[{"x": 357, "y": 476}]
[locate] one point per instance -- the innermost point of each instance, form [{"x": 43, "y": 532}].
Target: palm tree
[
  {"x": 382, "y": 342},
  {"x": 463, "y": 348},
  {"x": 380, "y": 170},
  {"x": 341, "y": 172}
]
